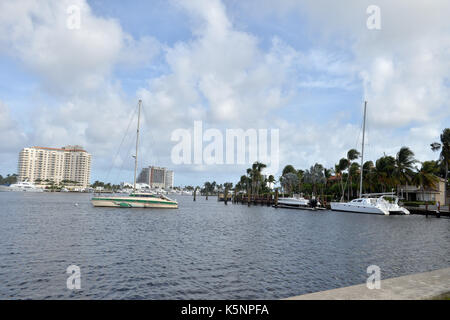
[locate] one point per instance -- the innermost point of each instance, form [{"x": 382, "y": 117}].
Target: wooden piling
[{"x": 276, "y": 198}]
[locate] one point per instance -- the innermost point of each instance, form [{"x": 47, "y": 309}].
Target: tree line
[{"x": 341, "y": 182}]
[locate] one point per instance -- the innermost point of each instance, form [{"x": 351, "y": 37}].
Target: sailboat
[
  {"x": 136, "y": 199},
  {"x": 374, "y": 203}
]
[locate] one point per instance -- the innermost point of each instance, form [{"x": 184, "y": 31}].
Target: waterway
[{"x": 203, "y": 250}]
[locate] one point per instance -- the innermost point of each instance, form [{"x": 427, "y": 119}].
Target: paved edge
[{"x": 417, "y": 286}]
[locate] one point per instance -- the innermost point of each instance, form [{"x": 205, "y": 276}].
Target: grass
[{"x": 444, "y": 296}]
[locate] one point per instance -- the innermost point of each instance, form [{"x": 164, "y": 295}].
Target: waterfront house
[{"x": 417, "y": 193}]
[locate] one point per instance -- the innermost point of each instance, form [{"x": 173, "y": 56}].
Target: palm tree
[
  {"x": 444, "y": 156},
  {"x": 425, "y": 177},
  {"x": 384, "y": 171},
  {"x": 353, "y": 172},
  {"x": 404, "y": 170},
  {"x": 339, "y": 170},
  {"x": 258, "y": 168},
  {"x": 271, "y": 180},
  {"x": 207, "y": 186},
  {"x": 352, "y": 154},
  {"x": 368, "y": 168}
]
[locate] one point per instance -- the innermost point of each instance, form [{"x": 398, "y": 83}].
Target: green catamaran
[{"x": 136, "y": 199}]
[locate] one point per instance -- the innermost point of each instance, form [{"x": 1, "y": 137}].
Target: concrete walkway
[{"x": 413, "y": 287}]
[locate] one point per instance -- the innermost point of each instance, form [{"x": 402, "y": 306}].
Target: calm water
[{"x": 204, "y": 250}]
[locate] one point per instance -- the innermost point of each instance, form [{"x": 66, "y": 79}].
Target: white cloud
[
  {"x": 68, "y": 61},
  {"x": 227, "y": 78},
  {"x": 11, "y": 135},
  {"x": 11, "y": 139}
]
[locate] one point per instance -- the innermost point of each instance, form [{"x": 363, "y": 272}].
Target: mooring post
[
  {"x": 276, "y": 198},
  {"x": 195, "y": 193}
]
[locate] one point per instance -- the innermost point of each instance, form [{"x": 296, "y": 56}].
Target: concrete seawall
[{"x": 412, "y": 287}]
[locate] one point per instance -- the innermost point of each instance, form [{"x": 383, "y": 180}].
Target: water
[{"x": 204, "y": 250}]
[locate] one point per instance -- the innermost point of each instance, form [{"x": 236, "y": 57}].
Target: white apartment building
[{"x": 41, "y": 164}]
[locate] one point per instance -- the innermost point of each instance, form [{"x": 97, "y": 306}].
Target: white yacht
[
  {"x": 23, "y": 186},
  {"x": 371, "y": 204},
  {"x": 294, "y": 202}
]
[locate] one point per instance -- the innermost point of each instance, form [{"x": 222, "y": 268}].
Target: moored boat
[
  {"x": 297, "y": 203},
  {"x": 372, "y": 205},
  {"x": 23, "y": 186},
  {"x": 135, "y": 200}
]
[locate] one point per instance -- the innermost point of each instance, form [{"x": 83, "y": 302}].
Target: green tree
[
  {"x": 444, "y": 156},
  {"x": 315, "y": 176},
  {"x": 425, "y": 177},
  {"x": 339, "y": 171},
  {"x": 384, "y": 172},
  {"x": 289, "y": 181},
  {"x": 352, "y": 155},
  {"x": 368, "y": 176},
  {"x": 404, "y": 167},
  {"x": 288, "y": 169}
]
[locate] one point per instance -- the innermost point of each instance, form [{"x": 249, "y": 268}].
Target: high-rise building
[
  {"x": 168, "y": 183},
  {"x": 69, "y": 163},
  {"x": 156, "y": 177}
]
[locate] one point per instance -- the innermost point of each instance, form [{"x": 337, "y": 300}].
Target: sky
[{"x": 303, "y": 68}]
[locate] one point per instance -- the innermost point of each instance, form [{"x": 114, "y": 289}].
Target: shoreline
[{"x": 418, "y": 286}]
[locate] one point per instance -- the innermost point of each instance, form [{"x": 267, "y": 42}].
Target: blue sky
[{"x": 302, "y": 67}]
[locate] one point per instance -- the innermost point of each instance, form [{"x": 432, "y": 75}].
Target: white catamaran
[
  {"x": 375, "y": 203},
  {"x": 136, "y": 199}
]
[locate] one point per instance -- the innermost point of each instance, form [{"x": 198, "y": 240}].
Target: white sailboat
[
  {"x": 375, "y": 203},
  {"x": 136, "y": 199}
]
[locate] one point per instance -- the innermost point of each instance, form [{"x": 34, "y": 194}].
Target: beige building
[
  {"x": 413, "y": 193},
  {"x": 69, "y": 163}
]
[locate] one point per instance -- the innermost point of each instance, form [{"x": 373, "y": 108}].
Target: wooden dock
[
  {"x": 432, "y": 210},
  {"x": 262, "y": 200}
]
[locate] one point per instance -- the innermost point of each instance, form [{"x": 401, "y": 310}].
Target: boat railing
[{"x": 379, "y": 194}]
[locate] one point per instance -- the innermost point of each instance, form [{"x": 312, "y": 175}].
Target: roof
[{"x": 60, "y": 149}]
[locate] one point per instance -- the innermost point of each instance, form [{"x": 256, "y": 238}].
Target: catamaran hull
[
  {"x": 118, "y": 203},
  {"x": 345, "y": 207},
  {"x": 342, "y": 206}
]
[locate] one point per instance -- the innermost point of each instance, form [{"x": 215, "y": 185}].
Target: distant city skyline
[{"x": 301, "y": 67}]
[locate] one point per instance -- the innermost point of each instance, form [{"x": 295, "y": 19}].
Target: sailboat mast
[
  {"x": 362, "y": 150},
  {"x": 137, "y": 145}
]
